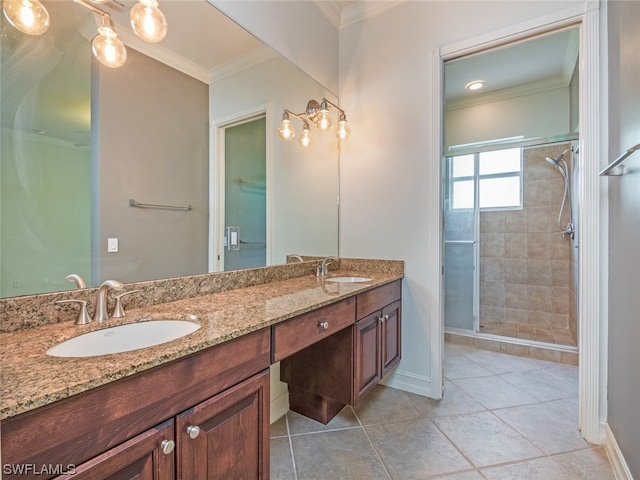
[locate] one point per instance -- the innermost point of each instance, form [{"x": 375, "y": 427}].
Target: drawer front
[
  {"x": 375, "y": 299},
  {"x": 299, "y": 332}
]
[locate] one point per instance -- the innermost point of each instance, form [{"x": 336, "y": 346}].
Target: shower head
[
  {"x": 559, "y": 162},
  {"x": 555, "y": 162}
]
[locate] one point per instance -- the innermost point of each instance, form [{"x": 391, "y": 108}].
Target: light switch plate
[{"x": 112, "y": 245}]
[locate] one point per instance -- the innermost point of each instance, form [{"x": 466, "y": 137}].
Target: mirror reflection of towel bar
[
  {"x": 133, "y": 203},
  {"x": 612, "y": 170}
]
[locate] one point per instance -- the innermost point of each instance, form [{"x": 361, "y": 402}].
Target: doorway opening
[{"x": 240, "y": 223}]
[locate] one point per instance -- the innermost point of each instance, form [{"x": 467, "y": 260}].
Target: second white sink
[
  {"x": 123, "y": 338},
  {"x": 349, "y": 279}
]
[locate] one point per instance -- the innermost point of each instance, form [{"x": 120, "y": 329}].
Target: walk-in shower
[
  {"x": 510, "y": 275},
  {"x": 561, "y": 165}
]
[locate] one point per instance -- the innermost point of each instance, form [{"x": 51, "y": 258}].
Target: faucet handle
[
  {"x": 118, "y": 311},
  {"x": 83, "y": 316}
]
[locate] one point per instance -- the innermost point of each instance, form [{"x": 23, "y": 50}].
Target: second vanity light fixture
[
  {"x": 318, "y": 114},
  {"x": 147, "y": 21}
]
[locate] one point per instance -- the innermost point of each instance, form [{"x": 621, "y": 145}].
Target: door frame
[
  {"x": 216, "y": 179},
  {"x": 592, "y": 304}
]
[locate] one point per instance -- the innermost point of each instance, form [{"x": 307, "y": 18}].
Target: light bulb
[
  {"x": 148, "y": 22},
  {"x": 286, "y": 130},
  {"x": 324, "y": 120},
  {"x": 344, "y": 131},
  {"x": 107, "y": 48},
  {"x": 305, "y": 137},
  {"x": 28, "y": 16}
]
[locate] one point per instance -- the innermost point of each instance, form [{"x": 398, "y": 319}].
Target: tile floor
[{"x": 502, "y": 417}]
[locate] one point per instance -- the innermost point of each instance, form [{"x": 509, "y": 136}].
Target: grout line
[{"x": 293, "y": 458}]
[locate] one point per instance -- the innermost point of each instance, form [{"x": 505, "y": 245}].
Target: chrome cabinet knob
[
  {"x": 193, "y": 431},
  {"x": 323, "y": 325},
  {"x": 167, "y": 446}
]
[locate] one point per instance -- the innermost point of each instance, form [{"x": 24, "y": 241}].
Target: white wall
[
  {"x": 386, "y": 83},
  {"x": 295, "y": 29},
  {"x": 541, "y": 114}
]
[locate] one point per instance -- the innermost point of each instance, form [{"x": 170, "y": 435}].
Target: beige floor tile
[
  {"x": 494, "y": 392},
  {"x": 281, "y": 462},
  {"x": 300, "y": 424},
  {"x": 336, "y": 455},
  {"x": 467, "y": 475},
  {"x": 545, "y": 427},
  {"x": 589, "y": 464},
  {"x": 536, "y": 469},
  {"x": 541, "y": 385},
  {"x": 386, "y": 405},
  {"x": 415, "y": 449},
  {"x": 454, "y": 401},
  {"x": 279, "y": 428},
  {"x": 485, "y": 439},
  {"x": 462, "y": 367}
]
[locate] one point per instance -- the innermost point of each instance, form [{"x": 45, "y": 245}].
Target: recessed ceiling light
[{"x": 475, "y": 85}]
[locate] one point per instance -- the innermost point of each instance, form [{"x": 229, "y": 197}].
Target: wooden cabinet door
[
  {"x": 390, "y": 329},
  {"x": 367, "y": 354},
  {"x": 232, "y": 439},
  {"x": 140, "y": 458}
]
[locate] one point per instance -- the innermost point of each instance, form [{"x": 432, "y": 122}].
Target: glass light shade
[
  {"x": 108, "y": 49},
  {"x": 344, "y": 131},
  {"x": 286, "y": 130},
  {"x": 305, "y": 139},
  {"x": 324, "y": 120},
  {"x": 148, "y": 22},
  {"x": 28, "y": 16}
]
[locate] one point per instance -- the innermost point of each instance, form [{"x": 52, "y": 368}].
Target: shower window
[{"x": 497, "y": 175}]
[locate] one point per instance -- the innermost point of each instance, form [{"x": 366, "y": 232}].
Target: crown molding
[
  {"x": 330, "y": 9},
  {"x": 364, "y": 9},
  {"x": 342, "y": 17},
  {"x": 506, "y": 93},
  {"x": 240, "y": 63}
]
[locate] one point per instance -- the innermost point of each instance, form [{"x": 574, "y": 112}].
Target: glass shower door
[{"x": 461, "y": 245}]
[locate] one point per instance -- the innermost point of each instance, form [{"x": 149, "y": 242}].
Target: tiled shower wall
[{"x": 527, "y": 281}]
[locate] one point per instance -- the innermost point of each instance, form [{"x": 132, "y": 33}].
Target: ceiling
[{"x": 544, "y": 62}]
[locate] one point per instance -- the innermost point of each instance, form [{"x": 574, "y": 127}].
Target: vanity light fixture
[
  {"x": 107, "y": 47},
  {"x": 147, "y": 21},
  {"x": 475, "y": 85},
  {"x": 28, "y": 16},
  {"x": 318, "y": 114}
]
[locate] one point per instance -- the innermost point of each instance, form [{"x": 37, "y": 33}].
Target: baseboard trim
[
  {"x": 408, "y": 382},
  {"x": 279, "y": 406},
  {"x": 618, "y": 463}
]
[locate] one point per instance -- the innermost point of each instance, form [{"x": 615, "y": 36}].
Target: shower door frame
[{"x": 475, "y": 308}]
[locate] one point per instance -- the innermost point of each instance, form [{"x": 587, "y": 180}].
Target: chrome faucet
[
  {"x": 322, "y": 268},
  {"x": 101, "y": 314},
  {"x": 77, "y": 279}
]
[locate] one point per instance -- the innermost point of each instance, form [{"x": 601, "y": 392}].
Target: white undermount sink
[
  {"x": 123, "y": 338},
  {"x": 349, "y": 279}
]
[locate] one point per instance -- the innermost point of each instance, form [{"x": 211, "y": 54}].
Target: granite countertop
[{"x": 32, "y": 379}]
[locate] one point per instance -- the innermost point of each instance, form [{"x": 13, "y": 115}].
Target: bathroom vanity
[{"x": 198, "y": 407}]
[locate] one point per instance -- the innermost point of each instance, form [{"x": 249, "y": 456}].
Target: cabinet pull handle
[
  {"x": 384, "y": 317},
  {"x": 323, "y": 325},
  {"x": 193, "y": 431},
  {"x": 167, "y": 446}
]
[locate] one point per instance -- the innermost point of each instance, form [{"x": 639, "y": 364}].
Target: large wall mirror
[{"x": 181, "y": 125}]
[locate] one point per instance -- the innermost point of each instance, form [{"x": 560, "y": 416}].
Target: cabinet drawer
[
  {"x": 377, "y": 298},
  {"x": 299, "y": 332}
]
